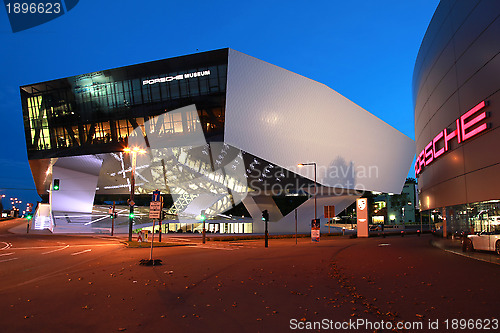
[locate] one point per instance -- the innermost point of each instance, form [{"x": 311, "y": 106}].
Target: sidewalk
[{"x": 455, "y": 246}]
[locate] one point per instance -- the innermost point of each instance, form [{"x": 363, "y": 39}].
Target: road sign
[
  {"x": 155, "y": 209},
  {"x": 156, "y": 196},
  {"x": 329, "y": 212}
]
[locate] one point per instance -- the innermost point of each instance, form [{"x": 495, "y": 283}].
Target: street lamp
[
  {"x": 133, "y": 151},
  {"x": 315, "y": 186}
]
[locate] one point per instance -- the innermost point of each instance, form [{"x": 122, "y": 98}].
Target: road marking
[
  {"x": 8, "y": 259},
  {"x": 105, "y": 217},
  {"x": 213, "y": 248},
  {"x": 471, "y": 257},
  {"x": 178, "y": 239},
  {"x": 6, "y": 254},
  {"x": 56, "y": 250},
  {"x": 53, "y": 246},
  {"x": 77, "y": 253},
  {"x": 7, "y": 245},
  {"x": 384, "y": 244}
]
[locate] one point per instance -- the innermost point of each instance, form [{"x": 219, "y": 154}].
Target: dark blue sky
[{"x": 363, "y": 49}]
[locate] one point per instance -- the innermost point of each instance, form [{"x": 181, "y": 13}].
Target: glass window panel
[
  {"x": 213, "y": 79},
  {"x": 203, "y": 85},
  {"x": 183, "y": 84},
  {"x": 174, "y": 89},
  {"x": 164, "y": 91},
  {"x": 193, "y": 87},
  {"x": 222, "y": 77}
]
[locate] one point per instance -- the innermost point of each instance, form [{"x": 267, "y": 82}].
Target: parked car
[{"x": 484, "y": 241}]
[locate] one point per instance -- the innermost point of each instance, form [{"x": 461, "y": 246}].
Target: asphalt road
[{"x": 53, "y": 283}]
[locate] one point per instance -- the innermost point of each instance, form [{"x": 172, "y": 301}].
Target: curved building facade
[{"x": 456, "y": 89}]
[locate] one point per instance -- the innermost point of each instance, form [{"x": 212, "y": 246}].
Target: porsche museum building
[
  {"x": 456, "y": 87},
  {"x": 218, "y": 129}
]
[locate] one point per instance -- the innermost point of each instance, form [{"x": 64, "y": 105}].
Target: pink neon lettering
[
  {"x": 472, "y": 122},
  {"x": 436, "y": 139},
  {"x": 449, "y": 136},
  {"x": 421, "y": 160},
  {"x": 417, "y": 165},
  {"x": 429, "y": 156}
]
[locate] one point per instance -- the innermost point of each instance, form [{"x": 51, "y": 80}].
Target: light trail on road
[
  {"x": 8, "y": 259},
  {"x": 81, "y": 252},
  {"x": 53, "y": 246},
  {"x": 65, "y": 247}
]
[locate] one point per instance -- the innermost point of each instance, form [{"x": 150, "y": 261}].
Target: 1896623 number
[
  {"x": 471, "y": 324},
  {"x": 33, "y": 8}
]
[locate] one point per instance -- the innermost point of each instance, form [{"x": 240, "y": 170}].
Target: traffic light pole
[
  {"x": 204, "y": 232},
  {"x": 113, "y": 219},
  {"x": 159, "y": 223},
  {"x": 132, "y": 190},
  {"x": 267, "y": 236},
  {"x": 152, "y": 241},
  {"x": 265, "y": 218}
]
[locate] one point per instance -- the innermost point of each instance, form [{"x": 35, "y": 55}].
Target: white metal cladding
[
  {"x": 78, "y": 177},
  {"x": 287, "y": 119}
]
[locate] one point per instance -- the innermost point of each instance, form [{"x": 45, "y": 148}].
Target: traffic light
[
  {"x": 265, "y": 215},
  {"x": 29, "y": 217},
  {"x": 55, "y": 187},
  {"x": 203, "y": 217},
  {"x": 131, "y": 215}
]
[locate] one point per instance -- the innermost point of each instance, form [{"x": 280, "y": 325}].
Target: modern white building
[{"x": 220, "y": 129}]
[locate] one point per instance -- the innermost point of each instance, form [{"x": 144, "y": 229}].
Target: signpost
[
  {"x": 329, "y": 214},
  {"x": 315, "y": 230},
  {"x": 362, "y": 216},
  {"x": 155, "y": 207}
]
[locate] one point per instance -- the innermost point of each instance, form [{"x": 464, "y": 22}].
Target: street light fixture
[
  {"x": 133, "y": 151},
  {"x": 315, "y": 186}
]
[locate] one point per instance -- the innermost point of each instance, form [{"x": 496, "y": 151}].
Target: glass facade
[
  {"x": 469, "y": 218},
  {"x": 97, "y": 112},
  {"x": 218, "y": 228}
]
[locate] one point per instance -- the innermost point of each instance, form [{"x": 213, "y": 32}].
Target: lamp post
[
  {"x": 315, "y": 186},
  {"x": 133, "y": 151}
]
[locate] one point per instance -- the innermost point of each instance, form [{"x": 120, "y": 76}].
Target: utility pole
[
  {"x": 113, "y": 219},
  {"x": 265, "y": 217}
]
